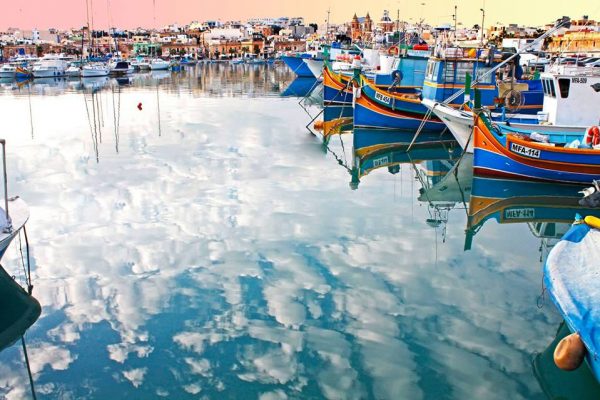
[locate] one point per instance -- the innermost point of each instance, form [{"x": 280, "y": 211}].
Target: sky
[{"x": 43, "y": 14}]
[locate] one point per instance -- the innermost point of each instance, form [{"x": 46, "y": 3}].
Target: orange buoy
[
  {"x": 319, "y": 125},
  {"x": 569, "y": 353}
]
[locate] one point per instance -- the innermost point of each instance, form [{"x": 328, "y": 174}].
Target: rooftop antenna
[
  {"x": 455, "y": 17},
  {"x": 327, "y": 28}
]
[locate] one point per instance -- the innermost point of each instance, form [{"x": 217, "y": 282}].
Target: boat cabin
[
  {"x": 405, "y": 71},
  {"x": 446, "y": 76},
  {"x": 571, "y": 96}
]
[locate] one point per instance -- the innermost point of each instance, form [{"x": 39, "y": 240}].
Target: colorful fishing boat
[
  {"x": 571, "y": 278},
  {"x": 444, "y": 77},
  {"x": 382, "y": 109},
  {"x": 405, "y": 76},
  {"x": 568, "y": 109},
  {"x": 517, "y": 155}
]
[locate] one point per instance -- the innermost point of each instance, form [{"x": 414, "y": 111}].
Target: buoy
[
  {"x": 592, "y": 136},
  {"x": 569, "y": 353},
  {"x": 319, "y": 125},
  {"x": 592, "y": 221},
  {"x": 139, "y": 106}
]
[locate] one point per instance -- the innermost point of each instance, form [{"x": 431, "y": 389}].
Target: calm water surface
[{"x": 205, "y": 245}]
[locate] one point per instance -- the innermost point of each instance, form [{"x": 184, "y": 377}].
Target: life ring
[
  {"x": 592, "y": 136},
  {"x": 393, "y": 51}
]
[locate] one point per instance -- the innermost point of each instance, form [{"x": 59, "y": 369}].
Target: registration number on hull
[
  {"x": 519, "y": 213},
  {"x": 381, "y": 161},
  {"x": 524, "y": 150},
  {"x": 383, "y": 98}
]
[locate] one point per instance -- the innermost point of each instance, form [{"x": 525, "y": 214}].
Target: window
[
  {"x": 447, "y": 75},
  {"x": 462, "y": 68},
  {"x": 552, "y": 91},
  {"x": 430, "y": 68},
  {"x": 482, "y": 71},
  {"x": 564, "y": 84}
]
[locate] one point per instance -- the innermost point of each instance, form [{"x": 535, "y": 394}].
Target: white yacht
[
  {"x": 95, "y": 70},
  {"x": 158, "y": 64},
  {"x": 8, "y": 71},
  {"x": 49, "y": 67},
  {"x": 73, "y": 71},
  {"x": 121, "y": 67}
]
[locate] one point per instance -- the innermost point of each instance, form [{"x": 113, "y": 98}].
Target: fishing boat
[
  {"x": 544, "y": 156},
  {"x": 296, "y": 63},
  {"x": 51, "y": 66},
  {"x": 571, "y": 280},
  {"x": 158, "y": 64},
  {"x": 567, "y": 109},
  {"x": 22, "y": 73},
  {"x": 315, "y": 66},
  {"x": 95, "y": 70},
  {"x": 404, "y": 76},
  {"x": 444, "y": 77}
]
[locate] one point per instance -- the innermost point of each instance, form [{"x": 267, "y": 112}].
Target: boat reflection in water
[
  {"x": 20, "y": 311},
  {"x": 300, "y": 87},
  {"x": 558, "y": 384},
  {"x": 336, "y": 120},
  {"x": 374, "y": 149},
  {"x": 444, "y": 192},
  {"x": 548, "y": 208}
]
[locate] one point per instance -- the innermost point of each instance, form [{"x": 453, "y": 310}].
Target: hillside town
[{"x": 267, "y": 37}]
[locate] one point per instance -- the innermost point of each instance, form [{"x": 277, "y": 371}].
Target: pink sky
[{"x": 60, "y": 14}]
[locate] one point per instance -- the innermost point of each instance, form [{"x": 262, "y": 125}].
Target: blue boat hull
[{"x": 298, "y": 66}]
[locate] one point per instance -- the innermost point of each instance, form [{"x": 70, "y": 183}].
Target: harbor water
[{"x": 190, "y": 238}]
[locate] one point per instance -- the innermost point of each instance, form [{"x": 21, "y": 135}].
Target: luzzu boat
[
  {"x": 567, "y": 110},
  {"x": 571, "y": 279},
  {"x": 515, "y": 154},
  {"x": 406, "y": 76},
  {"x": 444, "y": 77}
]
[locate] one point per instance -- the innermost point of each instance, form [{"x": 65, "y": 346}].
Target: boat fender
[
  {"x": 569, "y": 353},
  {"x": 139, "y": 106},
  {"x": 592, "y": 221},
  {"x": 592, "y": 136},
  {"x": 397, "y": 76},
  {"x": 319, "y": 125}
]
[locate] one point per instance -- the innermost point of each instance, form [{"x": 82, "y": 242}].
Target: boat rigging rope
[{"x": 28, "y": 368}]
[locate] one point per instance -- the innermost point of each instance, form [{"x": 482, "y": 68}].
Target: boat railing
[
  {"x": 574, "y": 70},
  {"x": 8, "y": 227}
]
